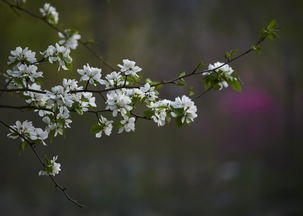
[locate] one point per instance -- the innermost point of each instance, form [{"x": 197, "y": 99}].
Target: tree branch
[
  {"x": 34, "y": 150},
  {"x": 55, "y": 28}
]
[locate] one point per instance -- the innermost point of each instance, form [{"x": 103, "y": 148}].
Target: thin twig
[
  {"x": 25, "y": 107},
  {"x": 57, "y": 29},
  {"x": 34, "y": 150}
]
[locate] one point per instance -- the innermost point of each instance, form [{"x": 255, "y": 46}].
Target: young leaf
[
  {"x": 181, "y": 83},
  {"x": 23, "y": 145},
  {"x": 191, "y": 91},
  {"x": 149, "y": 113},
  {"x": 182, "y": 74},
  {"x": 256, "y": 48},
  {"x": 235, "y": 84},
  {"x": 199, "y": 66},
  {"x": 179, "y": 121},
  {"x": 95, "y": 128}
]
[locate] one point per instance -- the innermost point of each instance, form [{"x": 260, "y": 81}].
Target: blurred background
[{"x": 241, "y": 157}]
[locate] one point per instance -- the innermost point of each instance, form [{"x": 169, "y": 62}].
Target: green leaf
[
  {"x": 182, "y": 74},
  {"x": 91, "y": 41},
  {"x": 158, "y": 86},
  {"x": 51, "y": 136},
  {"x": 132, "y": 79},
  {"x": 79, "y": 110},
  {"x": 270, "y": 31},
  {"x": 272, "y": 25},
  {"x": 179, "y": 121},
  {"x": 149, "y": 113},
  {"x": 179, "y": 111},
  {"x": 119, "y": 125},
  {"x": 207, "y": 83},
  {"x": 234, "y": 52},
  {"x": 151, "y": 82},
  {"x": 231, "y": 53},
  {"x": 191, "y": 91},
  {"x": 235, "y": 84},
  {"x": 23, "y": 145},
  {"x": 181, "y": 83},
  {"x": 227, "y": 55},
  {"x": 199, "y": 66},
  {"x": 96, "y": 128},
  {"x": 256, "y": 48},
  {"x": 72, "y": 32},
  {"x": 136, "y": 100}
]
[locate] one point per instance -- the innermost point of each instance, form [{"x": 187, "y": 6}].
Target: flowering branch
[
  {"x": 121, "y": 90},
  {"x": 34, "y": 150}
]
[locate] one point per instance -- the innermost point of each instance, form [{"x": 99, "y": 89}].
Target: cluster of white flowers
[
  {"x": 60, "y": 54},
  {"x": 33, "y": 98},
  {"x": 23, "y": 69},
  {"x": 183, "y": 109},
  {"x": 223, "y": 74},
  {"x": 91, "y": 74},
  {"x": 127, "y": 124},
  {"x": 50, "y": 13},
  {"x": 105, "y": 126},
  {"x": 129, "y": 68},
  {"x": 60, "y": 100},
  {"x": 23, "y": 56},
  {"x": 21, "y": 74},
  {"x": 27, "y": 132},
  {"x": 114, "y": 79},
  {"x": 161, "y": 109},
  {"x": 51, "y": 168},
  {"x": 54, "y": 106},
  {"x": 118, "y": 102},
  {"x": 70, "y": 38}
]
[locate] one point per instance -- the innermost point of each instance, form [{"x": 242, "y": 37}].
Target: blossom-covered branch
[{"x": 121, "y": 89}]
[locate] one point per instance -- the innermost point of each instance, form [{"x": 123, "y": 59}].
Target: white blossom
[
  {"x": 51, "y": 168},
  {"x": 50, "y": 13},
  {"x": 188, "y": 107},
  {"x": 37, "y": 99},
  {"x": 114, "y": 79},
  {"x": 69, "y": 38},
  {"x": 58, "y": 122},
  {"x": 91, "y": 74},
  {"x": 220, "y": 67},
  {"x": 134, "y": 93},
  {"x": 105, "y": 126},
  {"x": 20, "y": 55},
  {"x": 224, "y": 72},
  {"x": 24, "y": 71},
  {"x": 60, "y": 54},
  {"x": 26, "y": 131},
  {"x": 129, "y": 68},
  {"x": 150, "y": 92},
  {"x": 71, "y": 85},
  {"x": 118, "y": 101},
  {"x": 59, "y": 96},
  {"x": 127, "y": 125},
  {"x": 87, "y": 101},
  {"x": 39, "y": 134},
  {"x": 160, "y": 108}
]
